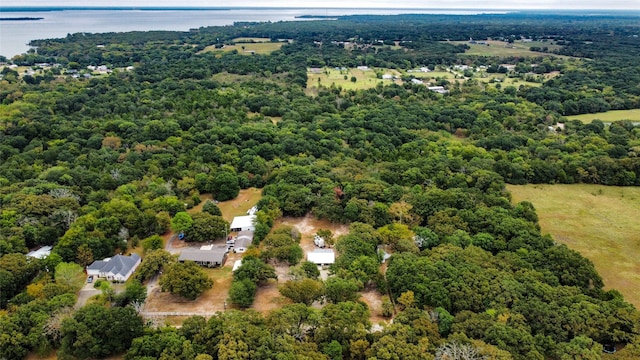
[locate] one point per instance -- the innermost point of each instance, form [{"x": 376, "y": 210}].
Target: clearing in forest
[
  {"x": 246, "y": 199},
  {"x": 600, "y": 222},
  {"x": 609, "y": 116},
  {"x": 365, "y": 79},
  {"x": 504, "y": 49},
  {"x": 263, "y": 48}
]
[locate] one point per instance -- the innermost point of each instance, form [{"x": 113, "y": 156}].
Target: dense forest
[{"x": 95, "y": 165}]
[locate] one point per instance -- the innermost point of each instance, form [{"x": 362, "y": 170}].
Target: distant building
[
  {"x": 117, "y": 268},
  {"x": 387, "y": 77},
  {"x": 417, "y": 81},
  {"x": 41, "y": 253},
  {"x": 322, "y": 257},
  {"x": 243, "y": 223},
  {"x": 210, "y": 258},
  {"x": 438, "y": 89},
  {"x": 363, "y": 68}
]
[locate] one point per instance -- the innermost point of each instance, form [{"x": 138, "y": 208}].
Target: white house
[
  {"x": 41, "y": 253},
  {"x": 243, "y": 223},
  {"x": 417, "y": 81},
  {"x": 387, "y": 77},
  {"x": 117, "y": 268},
  {"x": 322, "y": 257}
]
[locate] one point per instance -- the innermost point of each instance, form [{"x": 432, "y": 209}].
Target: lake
[{"x": 14, "y": 35}]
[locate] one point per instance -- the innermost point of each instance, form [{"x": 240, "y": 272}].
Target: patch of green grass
[
  {"x": 364, "y": 79},
  {"x": 609, "y": 116},
  {"x": 504, "y": 49},
  {"x": 600, "y": 222},
  {"x": 264, "y": 48},
  {"x": 241, "y": 204}
]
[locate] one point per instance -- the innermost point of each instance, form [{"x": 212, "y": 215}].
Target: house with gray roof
[
  {"x": 210, "y": 258},
  {"x": 117, "y": 268}
]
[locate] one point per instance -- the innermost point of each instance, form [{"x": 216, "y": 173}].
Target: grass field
[
  {"x": 609, "y": 116},
  {"x": 499, "y": 48},
  {"x": 248, "y": 48},
  {"x": 364, "y": 79},
  {"x": 239, "y": 206},
  {"x": 601, "y": 222}
]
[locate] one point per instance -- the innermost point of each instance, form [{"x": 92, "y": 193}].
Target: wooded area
[{"x": 96, "y": 164}]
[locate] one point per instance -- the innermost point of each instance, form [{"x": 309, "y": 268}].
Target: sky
[{"x": 442, "y": 4}]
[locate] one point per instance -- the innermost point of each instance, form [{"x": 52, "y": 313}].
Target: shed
[
  {"x": 243, "y": 223},
  {"x": 322, "y": 257},
  {"x": 243, "y": 241},
  {"x": 209, "y": 258}
]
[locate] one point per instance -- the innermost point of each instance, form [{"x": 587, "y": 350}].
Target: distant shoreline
[{"x": 20, "y": 18}]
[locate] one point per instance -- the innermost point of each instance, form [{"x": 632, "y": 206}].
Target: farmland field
[
  {"x": 364, "y": 79},
  {"x": 248, "y": 48},
  {"x": 609, "y": 116},
  {"x": 502, "y": 48},
  {"x": 600, "y": 222}
]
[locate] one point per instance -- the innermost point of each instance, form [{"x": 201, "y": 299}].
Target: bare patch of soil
[
  {"x": 268, "y": 297},
  {"x": 309, "y": 226},
  {"x": 374, "y": 300}
]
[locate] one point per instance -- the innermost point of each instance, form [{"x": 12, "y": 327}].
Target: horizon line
[{"x": 98, "y": 7}]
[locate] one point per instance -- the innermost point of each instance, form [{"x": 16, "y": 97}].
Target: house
[
  {"x": 243, "y": 223},
  {"x": 243, "y": 241},
  {"x": 209, "y": 258},
  {"x": 417, "y": 81},
  {"x": 117, "y": 268},
  {"x": 41, "y": 253},
  {"x": 322, "y": 257},
  {"x": 387, "y": 77},
  {"x": 363, "y": 68},
  {"x": 438, "y": 89}
]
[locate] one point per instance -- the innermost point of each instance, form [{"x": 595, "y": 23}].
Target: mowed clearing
[
  {"x": 264, "y": 48},
  {"x": 504, "y": 49},
  {"x": 609, "y": 116},
  {"x": 600, "y": 222},
  {"x": 365, "y": 79}
]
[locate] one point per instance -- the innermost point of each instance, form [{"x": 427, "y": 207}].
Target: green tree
[
  {"x": 338, "y": 289},
  {"x": 70, "y": 275},
  {"x": 304, "y": 291},
  {"x": 185, "y": 279},
  {"x": 211, "y": 208},
  {"x": 153, "y": 242},
  {"x": 225, "y": 186},
  {"x": 152, "y": 263},
  {"x": 97, "y": 332},
  {"x": 206, "y": 227},
  {"x": 181, "y": 222},
  {"x": 242, "y": 292}
]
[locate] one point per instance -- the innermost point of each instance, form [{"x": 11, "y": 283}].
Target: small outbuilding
[
  {"x": 243, "y": 223},
  {"x": 322, "y": 257}
]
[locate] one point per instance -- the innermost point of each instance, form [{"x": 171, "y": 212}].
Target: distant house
[
  {"x": 387, "y": 77},
  {"x": 243, "y": 223},
  {"x": 117, "y": 268},
  {"x": 438, "y": 89},
  {"x": 417, "y": 81},
  {"x": 363, "y": 68},
  {"x": 41, "y": 253},
  {"x": 209, "y": 258},
  {"x": 322, "y": 257},
  {"x": 243, "y": 241}
]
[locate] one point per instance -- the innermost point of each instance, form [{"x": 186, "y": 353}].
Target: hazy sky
[{"x": 488, "y": 4}]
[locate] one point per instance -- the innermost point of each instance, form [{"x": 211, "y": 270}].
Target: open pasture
[
  {"x": 609, "y": 116},
  {"x": 600, "y": 222}
]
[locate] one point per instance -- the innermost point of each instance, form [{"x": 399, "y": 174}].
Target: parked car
[
  {"x": 608, "y": 348},
  {"x": 90, "y": 279}
]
